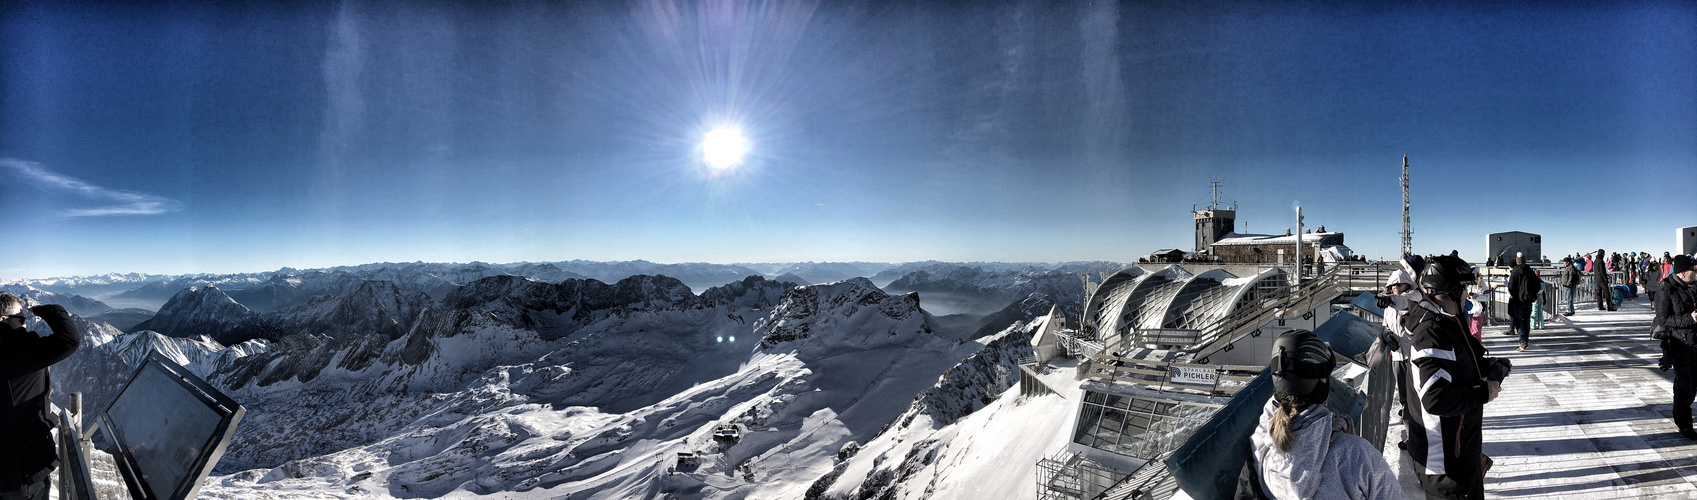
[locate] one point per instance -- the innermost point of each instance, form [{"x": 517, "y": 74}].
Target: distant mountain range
[{"x": 419, "y": 380}]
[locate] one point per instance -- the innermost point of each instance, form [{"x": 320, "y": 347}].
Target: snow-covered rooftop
[{"x": 1231, "y": 239}]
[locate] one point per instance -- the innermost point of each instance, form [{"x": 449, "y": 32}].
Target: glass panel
[
  {"x": 1116, "y": 401},
  {"x": 1109, "y": 432},
  {"x": 1086, "y": 421},
  {"x": 1094, "y": 397}
]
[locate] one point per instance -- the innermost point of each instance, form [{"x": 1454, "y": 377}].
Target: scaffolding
[{"x": 1070, "y": 476}]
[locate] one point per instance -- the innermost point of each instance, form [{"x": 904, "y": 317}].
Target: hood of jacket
[{"x": 1297, "y": 474}]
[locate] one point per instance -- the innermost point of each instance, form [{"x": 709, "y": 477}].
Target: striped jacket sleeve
[{"x": 1446, "y": 387}]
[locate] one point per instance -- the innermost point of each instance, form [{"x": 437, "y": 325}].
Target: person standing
[
  {"x": 27, "y": 452},
  {"x": 1651, "y": 278},
  {"x": 1604, "y": 293},
  {"x": 1302, "y": 450},
  {"x": 1570, "y": 279},
  {"x": 1523, "y": 287},
  {"x": 1676, "y": 312},
  {"x": 1452, "y": 380}
]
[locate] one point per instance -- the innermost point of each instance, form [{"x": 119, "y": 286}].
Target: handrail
[
  {"x": 1235, "y": 326},
  {"x": 76, "y": 482}
]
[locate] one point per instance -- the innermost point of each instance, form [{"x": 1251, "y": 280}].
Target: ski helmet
[
  {"x": 1302, "y": 366},
  {"x": 1448, "y": 274}
]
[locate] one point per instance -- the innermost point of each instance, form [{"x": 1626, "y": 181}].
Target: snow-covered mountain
[
  {"x": 987, "y": 299},
  {"x": 972, "y": 435},
  {"x": 538, "y": 389},
  {"x": 543, "y": 389},
  {"x": 199, "y": 311},
  {"x": 76, "y": 304},
  {"x": 826, "y": 272}
]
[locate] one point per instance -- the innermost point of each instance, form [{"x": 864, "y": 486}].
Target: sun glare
[{"x": 723, "y": 148}]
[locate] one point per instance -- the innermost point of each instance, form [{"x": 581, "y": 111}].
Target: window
[{"x": 1136, "y": 426}]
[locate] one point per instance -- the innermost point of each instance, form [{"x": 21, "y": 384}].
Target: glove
[
  {"x": 1384, "y": 301},
  {"x": 49, "y": 311}
]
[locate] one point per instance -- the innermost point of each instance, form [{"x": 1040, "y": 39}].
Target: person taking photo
[{"x": 27, "y": 452}]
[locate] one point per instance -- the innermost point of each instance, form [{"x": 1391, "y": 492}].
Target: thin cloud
[{"x": 110, "y": 201}]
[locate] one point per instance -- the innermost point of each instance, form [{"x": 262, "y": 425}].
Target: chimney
[
  {"x": 1287, "y": 231},
  {"x": 1322, "y": 229}
]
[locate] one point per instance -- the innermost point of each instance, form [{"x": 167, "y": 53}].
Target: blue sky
[{"x": 174, "y": 138}]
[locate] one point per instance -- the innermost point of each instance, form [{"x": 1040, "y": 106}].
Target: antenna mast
[
  {"x": 1216, "y": 204},
  {"x": 1407, "y": 235}
]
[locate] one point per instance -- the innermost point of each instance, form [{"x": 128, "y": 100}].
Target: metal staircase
[{"x": 1252, "y": 319}]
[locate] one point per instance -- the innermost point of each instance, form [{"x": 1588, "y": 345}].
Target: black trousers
[
  {"x": 1604, "y": 303},
  {"x": 1447, "y": 487},
  {"x": 1520, "y": 315},
  {"x": 1684, "y": 388},
  {"x": 37, "y": 491}
]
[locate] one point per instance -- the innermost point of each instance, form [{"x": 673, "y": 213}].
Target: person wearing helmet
[
  {"x": 1447, "y": 384},
  {"x": 1301, "y": 449}
]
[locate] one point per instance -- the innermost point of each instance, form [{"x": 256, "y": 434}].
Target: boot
[{"x": 1682, "y": 420}]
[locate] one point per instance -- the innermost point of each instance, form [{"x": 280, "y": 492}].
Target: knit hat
[
  {"x": 1681, "y": 264},
  {"x": 1401, "y": 277},
  {"x": 1415, "y": 264},
  {"x": 1302, "y": 366}
]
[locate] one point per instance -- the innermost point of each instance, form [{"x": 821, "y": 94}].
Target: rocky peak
[
  {"x": 856, "y": 311},
  {"x": 195, "y": 311},
  {"x": 752, "y": 292}
]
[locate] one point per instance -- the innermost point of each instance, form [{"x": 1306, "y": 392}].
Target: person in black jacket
[
  {"x": 1447, "y": 384},
  {"x": 27, "y": 452},
  {"x": 1570, "y": 279},
  {"x": 1600, "y": 268},
  {"x": 1523, "y": 288},
  {"x": 1676, "y": 312}
]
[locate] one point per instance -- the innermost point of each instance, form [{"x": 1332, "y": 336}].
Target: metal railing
[
  {"x": 1553, "y": 298},
  {"x": 1247, "y": 321},
  {"x": 76, "y": 480}
]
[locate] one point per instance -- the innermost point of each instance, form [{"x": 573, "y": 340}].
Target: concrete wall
[
  {"x": 1239, "y": 270},
  {"x": 1245, "y": 254}
]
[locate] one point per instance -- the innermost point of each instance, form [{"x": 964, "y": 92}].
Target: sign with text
[{"x": 1185, "y": 375}]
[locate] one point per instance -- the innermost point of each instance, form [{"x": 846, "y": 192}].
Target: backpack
[{"x": 1529, "y": 286}]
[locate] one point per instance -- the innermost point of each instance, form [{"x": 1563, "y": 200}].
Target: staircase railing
[{"x": 1244, "y": 321}]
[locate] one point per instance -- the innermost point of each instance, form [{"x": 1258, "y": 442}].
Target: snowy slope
[
  {"x": 599, "y": 411},
  {"x": 969, "y": 436},
  {"x": 536, "y": 389}
]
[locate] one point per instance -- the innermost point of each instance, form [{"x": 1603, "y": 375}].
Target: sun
[{"x": 723, "y": 148}]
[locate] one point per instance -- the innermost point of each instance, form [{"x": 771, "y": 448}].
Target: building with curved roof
[{"x": 1134, "y": 300}]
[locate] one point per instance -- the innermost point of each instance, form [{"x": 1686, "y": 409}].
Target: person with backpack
[
  {"x": 1523, "y": 287},
  {"x": 1302, "y": 450},
  {"x": 1570, "y": 280}
]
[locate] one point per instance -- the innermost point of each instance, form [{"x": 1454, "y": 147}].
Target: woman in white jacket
[{"x": 1301, "y": 449}]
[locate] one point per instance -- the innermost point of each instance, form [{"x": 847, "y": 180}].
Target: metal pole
[{"x": 1299, "y": 265}]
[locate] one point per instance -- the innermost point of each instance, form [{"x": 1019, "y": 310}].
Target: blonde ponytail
[{"x": 1283, "y": 435}]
